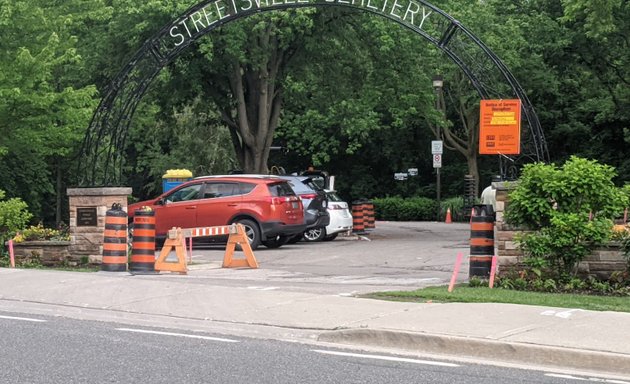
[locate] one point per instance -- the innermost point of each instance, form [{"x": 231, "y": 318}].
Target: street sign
[
  {"x": 437, "y": 161},
  {"x": 412, "y": 171},
  {"x": 436, "y": 147},
  {"x": 400, "y": 176}
]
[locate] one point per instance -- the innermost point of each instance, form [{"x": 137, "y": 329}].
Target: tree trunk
[
  {"x": 464, "y": 137},
  {"x": 473, "y": 169},
  {"x": 258, "y": 97}
]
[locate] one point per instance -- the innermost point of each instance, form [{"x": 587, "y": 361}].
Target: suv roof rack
[{"x": 237, "y": 176}]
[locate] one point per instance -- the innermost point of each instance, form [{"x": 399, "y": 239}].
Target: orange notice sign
[{"x": 500, "y": 127}]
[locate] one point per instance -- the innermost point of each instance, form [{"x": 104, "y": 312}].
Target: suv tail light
[
  {"x": 281, "y": 200},
  {"x": 277, "y": 200},
  {"x": 309, "y": 196},
  {"x": 335, "y": 206}
]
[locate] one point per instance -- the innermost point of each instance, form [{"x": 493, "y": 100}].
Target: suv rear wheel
[{"x": 251, "y": 231}]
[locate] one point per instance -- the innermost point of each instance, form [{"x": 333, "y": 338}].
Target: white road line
[
  {"x": 263, "y": 288},
  {"x": 23, "y": 319},
  {"x": 388, "y": 358},
  {"x": 591, "y": 379},
  {"x": 177, "y": 334}
]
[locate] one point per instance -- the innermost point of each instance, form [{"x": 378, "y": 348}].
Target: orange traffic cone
[{"x": 448, "y": 216}]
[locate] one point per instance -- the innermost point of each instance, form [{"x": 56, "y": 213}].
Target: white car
[{"x": 340, "y": 220}]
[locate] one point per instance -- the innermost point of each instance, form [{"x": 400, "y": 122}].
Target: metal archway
[{"x": 101, "y": 154}]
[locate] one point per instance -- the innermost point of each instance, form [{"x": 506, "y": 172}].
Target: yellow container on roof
[{"x": 177, "y": 174}]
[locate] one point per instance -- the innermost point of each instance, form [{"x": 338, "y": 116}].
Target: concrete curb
[{"x": 482, "y": 349}]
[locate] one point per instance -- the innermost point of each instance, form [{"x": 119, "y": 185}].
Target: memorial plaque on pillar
[{"x": 86, "y": 217}]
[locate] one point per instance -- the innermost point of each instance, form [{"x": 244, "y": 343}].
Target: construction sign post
[{"x": 500, "y": 127}]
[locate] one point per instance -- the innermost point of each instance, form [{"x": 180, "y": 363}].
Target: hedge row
[
  {"x": 399, "y": 209},
  {"x": 417, "y": 209}
]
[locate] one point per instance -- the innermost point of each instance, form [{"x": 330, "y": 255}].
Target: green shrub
[
  {"x": 579, "y": 186},
  {"x": 516, "y": 279},
  {"x": 38, "y": 232},
  {"x": 570, "y": 209},
  {"x": 475, "y": 281},
  {"x": 418, "y": 209},
  {"x": 567, "y": 240},
  {"x": 520, "y": 284},
  {"x": 550, "y": 285},
  {"x": 387, "y": 208},
  {"x": 14, "y": 216},
  {"x": 399, "y": 209}
]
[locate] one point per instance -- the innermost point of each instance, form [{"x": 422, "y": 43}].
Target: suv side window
[
  {"x": 219, "y": 189},
  {"x": 281, "y": 189},
  {"x": 247, "y": 188},
  {"x": 190, "y": 192}
]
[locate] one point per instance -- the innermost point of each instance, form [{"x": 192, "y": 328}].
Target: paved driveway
[{"x": 394, "y": 256}]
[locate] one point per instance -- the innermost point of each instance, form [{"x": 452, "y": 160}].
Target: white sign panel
[
  {"x": 400, "y": 176},
  {"x": 437, "y": 161},
  {"x": 436, "y": 147},
  {"x": 412, "y": 171}
]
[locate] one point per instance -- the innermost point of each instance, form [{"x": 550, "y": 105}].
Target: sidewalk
[{"x": 572, "y": 339}]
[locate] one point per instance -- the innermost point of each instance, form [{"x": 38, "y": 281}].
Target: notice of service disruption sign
[{"x": 500, "y": 127}]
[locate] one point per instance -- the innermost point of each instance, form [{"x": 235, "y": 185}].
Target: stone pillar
[
  {"x": 507, "y": 251},
  {"x": 88, "y": 207}
]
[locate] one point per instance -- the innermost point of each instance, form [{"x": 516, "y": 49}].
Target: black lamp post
[{"x": 438, "y": 84}]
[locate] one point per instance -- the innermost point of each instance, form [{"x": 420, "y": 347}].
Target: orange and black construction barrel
[
  {"x": 481, "y": 240},
  {"x": 358, "y": 224},
  {"x": 115, "y": 240},
  {"x": 143, "y": 242},
  {"x": 368, "y": 215}
]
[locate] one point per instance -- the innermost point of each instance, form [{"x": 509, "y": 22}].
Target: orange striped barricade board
[
  {"x": 208, "y": 231},
  {"x": 237, "y": 237}
]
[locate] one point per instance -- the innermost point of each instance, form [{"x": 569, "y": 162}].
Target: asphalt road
[
  {"x": 394, "y": 256},
  {"x": 42, "y": 350}
]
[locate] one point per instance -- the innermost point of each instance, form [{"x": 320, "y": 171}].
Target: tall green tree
[
  {"x": 601, "y": 52},
  {"x": 43, "y": 112},
  {"x": 574, "y": 66},
  {"x": 246, "y": 66},
  {"x": 192, "y": 137},
  {"x": 359, "y": 94}
]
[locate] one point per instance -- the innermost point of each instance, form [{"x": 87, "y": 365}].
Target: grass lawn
[{"x": 466, "y": 294}]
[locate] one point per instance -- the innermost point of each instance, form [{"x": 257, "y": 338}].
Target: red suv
[{"x": 265, "y": 205}]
